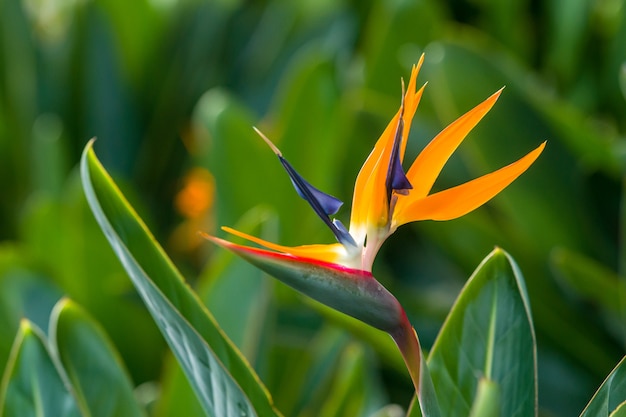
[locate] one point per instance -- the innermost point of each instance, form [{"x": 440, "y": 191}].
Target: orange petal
[
  {"x": 327, "y": 253},
  {"x": 369, "y": 199},
  {"x": 460, "y": 200},
  {"x": 431, "y": 160}
]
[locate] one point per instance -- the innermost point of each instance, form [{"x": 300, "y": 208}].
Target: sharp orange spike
[
  {"x": 431, "y": 160},
  {"x": 460, "y": 200}
]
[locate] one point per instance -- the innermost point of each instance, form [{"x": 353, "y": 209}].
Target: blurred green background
[{"x": 172, "y": 88}]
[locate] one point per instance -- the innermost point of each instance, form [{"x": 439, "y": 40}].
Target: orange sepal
[
  {"x": 460, "y": 200},
  {"x": 369, "y": 205},
  {"x": 430, "y": 161},
  {"x": 331, "y": 253}
]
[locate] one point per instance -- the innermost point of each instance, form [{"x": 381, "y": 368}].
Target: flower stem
[{"x": 409, "y": 345}]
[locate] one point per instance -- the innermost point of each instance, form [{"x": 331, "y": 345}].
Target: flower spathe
[{"x": 386, "y": 198}]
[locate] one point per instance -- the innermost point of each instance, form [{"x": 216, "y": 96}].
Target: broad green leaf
[
  {"x": 222, "y": 379},
  {"x": 610, "y": 395},
  {"x": 488, "y": 334},
  {"x": 31, "y": 385},
  {"x": 487, "y": 401},
  {"x": 93, "y": 367}
]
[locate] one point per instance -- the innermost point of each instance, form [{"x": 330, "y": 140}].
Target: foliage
[{"x": 172, "y": 88}]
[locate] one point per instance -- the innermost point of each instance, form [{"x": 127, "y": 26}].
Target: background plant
[{"x": 172, "y": 88}]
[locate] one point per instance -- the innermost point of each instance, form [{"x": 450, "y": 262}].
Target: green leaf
[
  {"x": 222, "y": 379},
  {"x": 93, "y": 367},
  {"x": 488, "y": 334},
  {"x": 224, "y": 282},
  {"x": 611, "y": 394},
  {"x": 31, "y": 385}
]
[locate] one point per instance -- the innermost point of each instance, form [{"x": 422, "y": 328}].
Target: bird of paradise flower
[{"x": 385, "y": 198}]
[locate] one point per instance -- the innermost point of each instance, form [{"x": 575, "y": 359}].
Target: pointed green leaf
[
  {"x": 488, "y": 334},
  {"x": 222, "y": 379},
  {"x": 611, "y": 394},
  {"x": 31, "y": 385},
  {"x": 93, "y": 367}
]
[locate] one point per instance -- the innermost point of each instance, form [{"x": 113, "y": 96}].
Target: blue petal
[
  {"x": 344, "y": 236},
  {"x": 396, "y": 178},
  {"x": 328, "y": 204},
  {"x": 323, "y": 204}
]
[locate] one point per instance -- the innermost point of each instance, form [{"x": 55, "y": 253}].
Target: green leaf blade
[
  {"x": 223, "y": 381},
  {"x": 32, "y": 385},
  {"x": 488, "y": 334},
  {"x": 611, "y": 394},
  {"x": 92, "y": 365}
]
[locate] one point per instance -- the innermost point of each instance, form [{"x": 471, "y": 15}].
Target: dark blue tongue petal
[
  {"x": 396, "y": 178},
  {"x": 323, "y": 204},
  {"x": 327, "y": 203}
]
